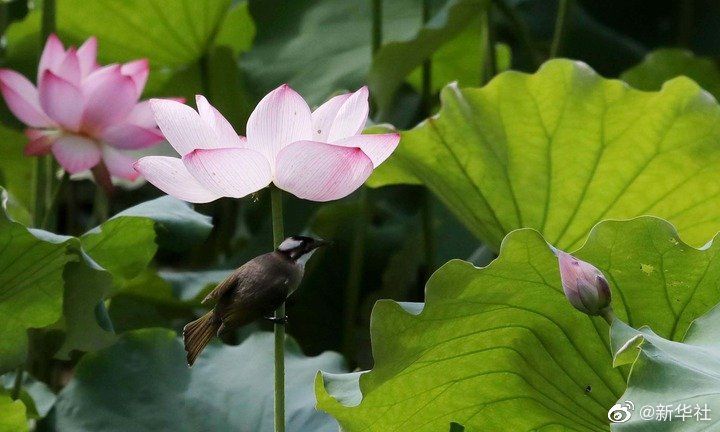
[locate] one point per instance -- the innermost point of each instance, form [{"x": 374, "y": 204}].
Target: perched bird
[{"x": 252, "y": 291}]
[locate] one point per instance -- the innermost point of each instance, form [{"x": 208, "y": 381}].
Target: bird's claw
[{"x": 277, "y": 320}]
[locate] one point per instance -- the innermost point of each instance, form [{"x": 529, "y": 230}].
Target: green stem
[
  {"x": 352, "y": 290},
  {"x": 48, "y": 19},
  {"x": 42, "y": 173},
  {"x": 608, "y": 314},
  {"x": 17, "y": 385},
  {"x": 376, "y": 25},
  {"x": 39, "y": 184},
  {"x": 101, "y": 206},
  {"x": 426, "y": 210},
  {"x": 488, "y": 68},
  {"x": 204, "y": 64},
  {"x": 357, "y": 254},
  {"x": 426, "y": 67},
  {"x": 685, "y": 24},
  {"x": 42, "y": 182},
  {"x": 278, "y": 236},
  {"x": 55, "y": 200},
  {"x": 103, "y": 189},
  {"x": 521, "y": 29},
  {"x": 560, "y": 27},
  {"x": 428, "y": 227},
  {"x": 4, "y": 21}
]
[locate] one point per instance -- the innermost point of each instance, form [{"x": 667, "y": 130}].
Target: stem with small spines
[{"x": 279, "y": 328}]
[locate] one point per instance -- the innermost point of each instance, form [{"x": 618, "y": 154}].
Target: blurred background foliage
[{"x": 234, "y": 52}]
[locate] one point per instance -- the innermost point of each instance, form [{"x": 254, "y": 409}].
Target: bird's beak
[{"x": 320, "y": 242}]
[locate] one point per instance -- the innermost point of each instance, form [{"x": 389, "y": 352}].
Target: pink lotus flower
[
  {"x": 318, "y": 156},
  {"x": 81, "y": 112}
]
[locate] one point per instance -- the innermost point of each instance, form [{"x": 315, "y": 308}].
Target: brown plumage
[{"x": 251, "y": 292}]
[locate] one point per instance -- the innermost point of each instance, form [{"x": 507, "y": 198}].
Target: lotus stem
[
  {"x": 376, "y": 25},
  {"x": 426, "y": 67},
  {"x": 357, "y": 254},
  {"x": 426, "y": 210},
  {"x": 103, "y": 191},
  {"x": 44, "y": 165},
  {"x": 279, "y": 329},
  {"x": 352, "y": 290},
  {"x": 560, "y": 27},
  {"x": 55, "y": 201},
  {"x": 488, "y": 68},
  {"x": 608, "y": 315},
  {"x": 47, "y": 25},
  {"x": 520, "y": 28},
  {"x": 41, "y": 173}
]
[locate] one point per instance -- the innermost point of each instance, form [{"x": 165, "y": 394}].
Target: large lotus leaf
[
  {"x": 673, "y": 386},
  {"x": 31, "y": 284},
  {"x": 134, "y": 29},
  {"x": 16, "y": 170},
  {"x": 122, "y": 245},
  {"x": 143, "y": 384},
  {"x": 294, "y": 42},
  {"x": 563, "y": 149},
  {"x": 664, "y": 64},
  {"x": 493, "y": 342},
  {"x": 117, "y": 251},
  {"x": 12, "y": 418},
  {"x": 177, "y": 225},
  {"x": 395, "y": 60},
  {"x": 86, "y": 285}
]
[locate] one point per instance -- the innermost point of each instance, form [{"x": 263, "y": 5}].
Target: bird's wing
[{"x": 222, "y": 287}]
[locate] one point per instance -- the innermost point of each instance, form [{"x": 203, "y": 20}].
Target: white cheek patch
[{"x": 289, "y": 244}]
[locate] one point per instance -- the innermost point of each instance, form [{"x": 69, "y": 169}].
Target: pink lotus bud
[{"x": 584, "y": 285}]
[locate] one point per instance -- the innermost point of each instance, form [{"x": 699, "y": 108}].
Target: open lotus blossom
[
  {"x": 319, "y": 156},
  {"x": 81, "y": 112}
]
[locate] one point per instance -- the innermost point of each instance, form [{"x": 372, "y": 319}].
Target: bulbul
[{"x": 252, "y": 291}]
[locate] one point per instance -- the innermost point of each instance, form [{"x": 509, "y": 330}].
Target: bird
[{"x": 252, "y": 291}]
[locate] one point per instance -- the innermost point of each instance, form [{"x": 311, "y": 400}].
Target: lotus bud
[{"x": 584, "y": 285}]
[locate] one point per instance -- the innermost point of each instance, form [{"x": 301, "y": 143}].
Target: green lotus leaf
[
  {"x": 178, "y": 226},
  {"x": 84, "y": 320},
  {"x": 563, "y": 149},
  {"x": 665, "y": 64},
  {"x": 143, "y": 384},
  {"x": 493, "y": 342},
  {"x": 292, "y": 43},
  {"x": 31, "y": 283},
  {"x": 135, "y": 29},
  {"x": 123, "y": 245},
  {"x": 673, "y": 386},
  {"x": 16, "y": 171},
  {"x": 396, "y": 60},
  {"x": 117, "y": 251},
  {"x": 13, "y": 414}
]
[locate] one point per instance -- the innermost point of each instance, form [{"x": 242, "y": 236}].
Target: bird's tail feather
[{"x": 197, "y": 334}]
